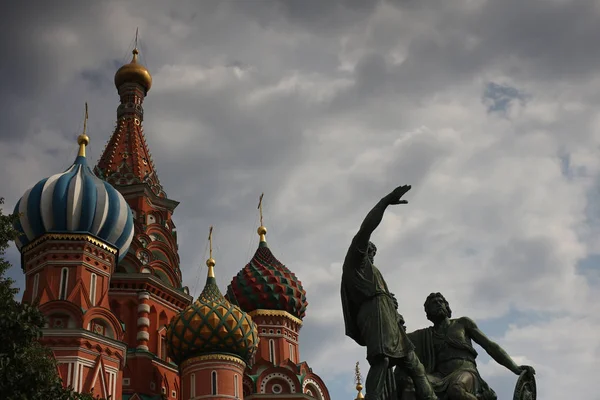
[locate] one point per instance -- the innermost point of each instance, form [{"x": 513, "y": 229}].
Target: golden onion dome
[{"x": 133, "y": 72}]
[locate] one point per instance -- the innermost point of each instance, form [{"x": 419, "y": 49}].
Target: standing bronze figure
[
  {"x": 448, "y": 355},
  {"x": 371, "y": 313}
]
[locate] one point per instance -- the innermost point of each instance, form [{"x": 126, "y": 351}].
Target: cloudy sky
[{"x": 488, "y": 108}]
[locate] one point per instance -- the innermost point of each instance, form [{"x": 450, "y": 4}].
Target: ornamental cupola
[
  {"x": 75, "y": 201},
  {"x": 134, "y": 72},
  {"x": 211, "y": 324},
  {"x": 265, "y": 283},
  {"x": 274, "y": 297},
  {"x": 212, "y": 341}
]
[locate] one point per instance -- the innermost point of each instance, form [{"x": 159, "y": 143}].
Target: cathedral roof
[
  {"x": 75, "y": 201},
  {"x": 211, "y": 325},
  {"x": 265, "y": 283}
]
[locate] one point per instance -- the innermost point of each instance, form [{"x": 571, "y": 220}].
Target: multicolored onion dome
[
  {"x": 133, "y": 72},
  {"x": 75, "y": 201},
  {"x": 211, "y": 325},
  {"x": 265, "y": 283}
]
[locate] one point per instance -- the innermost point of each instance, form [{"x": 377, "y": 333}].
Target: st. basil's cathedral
[{"x": 100, "y": 255}]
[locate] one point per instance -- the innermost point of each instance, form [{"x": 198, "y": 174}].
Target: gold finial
[
  {"x": 358, "y": 381},
  {"x": 135, "y": 51},
  {"x": 83, "y": 139},
  {"x": 262, "y": 231},
  {"x": 210, "y": 263}
]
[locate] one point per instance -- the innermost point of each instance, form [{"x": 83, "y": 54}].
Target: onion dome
[
  {"x": 133, "y": 73},
  {"x": 211, "y": 325},
  {"x": 75, "y": 201},
  {"x": 265, "y": 283}
]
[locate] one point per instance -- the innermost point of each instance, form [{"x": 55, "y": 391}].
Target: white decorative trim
[
  {"x": 75, "y": 376},
  {"x": 143, "y": 321},
  {"x": 314, "y": 384},
  {"x": 236, "y": 391},
  {"x": 143, "y": 295},
  {"x": 86, "y": 334},
  {"x": 143, "y": 335},
  {"x": 142, "y": 347},
  {"x": 263, "y": 384},
  {"x": 85, "y": 361},
  {"x": 272, "y": 353},
  {"x": 93, "y": 284},
  {"x": 143, "y": 308},
  {"x": 80, "y": 378}
]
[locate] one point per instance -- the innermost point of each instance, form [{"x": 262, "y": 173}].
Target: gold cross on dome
[
  {"x": 260, "y": 210},
  {"x": 210, "y": 241}
]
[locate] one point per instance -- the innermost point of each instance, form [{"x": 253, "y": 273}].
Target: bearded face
[{"x": 437, "y": 308}]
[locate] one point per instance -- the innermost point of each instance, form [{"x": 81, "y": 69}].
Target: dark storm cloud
[{"x": 325, "y": 17}]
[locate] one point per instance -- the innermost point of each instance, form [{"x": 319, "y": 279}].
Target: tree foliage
[{"x": 27, "y": 369}]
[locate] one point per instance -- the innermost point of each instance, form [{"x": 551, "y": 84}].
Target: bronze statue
[
  {"x": 371, "y": 313},
  {"x": 448, "y": 356}
]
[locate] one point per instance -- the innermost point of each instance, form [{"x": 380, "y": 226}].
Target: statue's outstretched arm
[
  {"x": 491, "y": 347},
  {"x": 374, "y": 217}
]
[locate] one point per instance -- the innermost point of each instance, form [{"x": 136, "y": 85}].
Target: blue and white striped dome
[{"x": 75, "y": 201}]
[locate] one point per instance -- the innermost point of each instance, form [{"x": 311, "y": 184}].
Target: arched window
[
  {"x": 163, "y": 348},
  {"x": 64, "y": 281},
  {"x": 292, "y": 353},
  {"x": 192, "y": 385},
  {"x": 93, "y": 289},
  {"x": 235, "y": 386},
  {"x": 36, "y": 285},
  {"x": 214, "y": 383},
  {"x": 272, "y": 350}
]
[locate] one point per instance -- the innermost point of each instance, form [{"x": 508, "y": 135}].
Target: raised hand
[
  {"x": 396, "y": 196},
  {"x": 527, "y": 368}
]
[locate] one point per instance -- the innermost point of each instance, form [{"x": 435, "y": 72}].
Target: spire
[
  {"x": 358, "y": 381},
  {"x": 126, "y": 159},
  {"x": 83, "y": 140},
  {"x": 210, "y": 263},
  {"x": 262, "y": 231}
]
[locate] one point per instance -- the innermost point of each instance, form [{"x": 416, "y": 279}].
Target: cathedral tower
[
  {"x": 274, "y": 297},
  {"x": 74, "y": 227},
  {"x": 146, "y": 290}
]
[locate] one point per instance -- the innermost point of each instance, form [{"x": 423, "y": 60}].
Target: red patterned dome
[{"x": 266, "y": 284}]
